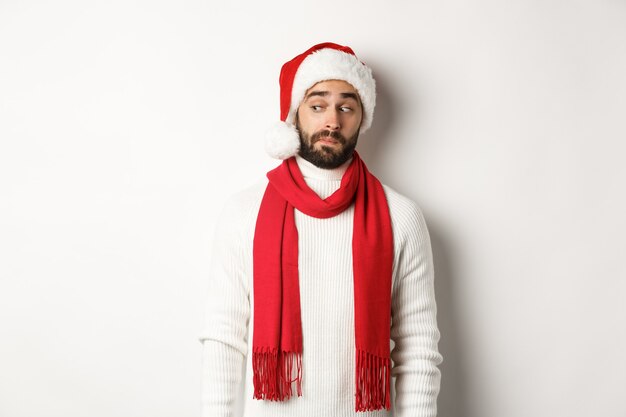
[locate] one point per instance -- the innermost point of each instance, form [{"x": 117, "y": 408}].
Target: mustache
[{"x": 327, "y": 133}]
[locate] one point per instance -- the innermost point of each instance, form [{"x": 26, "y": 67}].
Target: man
[{"x": 318, "y": 267}]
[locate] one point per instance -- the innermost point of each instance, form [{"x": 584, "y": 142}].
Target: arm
[
  {"x": 224, "y": 338},
  {"x": 414, "y": 325}
]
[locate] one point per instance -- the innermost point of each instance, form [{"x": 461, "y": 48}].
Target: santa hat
[{"x": 324, "y": 61}]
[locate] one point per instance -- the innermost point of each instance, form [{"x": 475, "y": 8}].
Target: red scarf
[{"x": 277, "y": 341}]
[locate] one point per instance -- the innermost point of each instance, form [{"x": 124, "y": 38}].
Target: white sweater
[{"x": 327, "y": 310}]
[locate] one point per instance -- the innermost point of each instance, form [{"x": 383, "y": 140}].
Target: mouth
[{"x": 327, "y": 140}]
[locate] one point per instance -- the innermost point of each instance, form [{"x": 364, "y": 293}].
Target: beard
[{"x": 327, "y": 157}]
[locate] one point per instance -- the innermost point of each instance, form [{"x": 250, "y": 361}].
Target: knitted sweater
[{"x": 327, "y": 310}]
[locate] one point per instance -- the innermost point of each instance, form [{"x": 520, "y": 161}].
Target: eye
[
  {"x": 316, "y": 108},
  {"x": 346, "y": 109}
]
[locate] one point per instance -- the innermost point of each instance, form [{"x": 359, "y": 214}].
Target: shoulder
[
  {"x": 239, "y": 209},
  {"x": 245, "y": 200},
  {"x": 401, "y": 208},
  {"x": 407, "y": 218}
]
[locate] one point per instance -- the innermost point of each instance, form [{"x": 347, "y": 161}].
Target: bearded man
[{"x": 319, "y": 268}]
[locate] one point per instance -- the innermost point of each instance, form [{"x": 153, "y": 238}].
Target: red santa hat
[{"x": 324, "y": 61}]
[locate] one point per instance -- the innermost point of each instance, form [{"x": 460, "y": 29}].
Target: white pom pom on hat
[
  {"x": 282, "y": 141},
  {"x": 324, "y": 61}
]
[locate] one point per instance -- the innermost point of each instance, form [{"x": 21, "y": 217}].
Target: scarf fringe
[
  {"x": 373, "y": 382},
  {"x": 273, "y": 374}
]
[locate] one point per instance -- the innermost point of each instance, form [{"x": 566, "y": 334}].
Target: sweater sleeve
[
  {"x": 414, "y": 325},
  {"x": 224, "y": 336}
]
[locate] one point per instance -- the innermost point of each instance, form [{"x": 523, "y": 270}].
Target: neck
[{"x": 309, "y": 170}]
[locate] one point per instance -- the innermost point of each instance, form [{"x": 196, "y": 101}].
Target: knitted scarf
[{"x": 277, "y": 337}]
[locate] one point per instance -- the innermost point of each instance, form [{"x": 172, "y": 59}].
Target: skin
[{"x": 328, "y": 121}]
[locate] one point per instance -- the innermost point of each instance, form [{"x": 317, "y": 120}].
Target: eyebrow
[{"x": 325, "y": 93}]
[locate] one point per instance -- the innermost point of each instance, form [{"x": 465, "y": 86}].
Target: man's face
[{"x": 328, "y": 120}]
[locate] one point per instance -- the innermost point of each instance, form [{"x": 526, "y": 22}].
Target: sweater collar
[{"x": 309, "y": 170}]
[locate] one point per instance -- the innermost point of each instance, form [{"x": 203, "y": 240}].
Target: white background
[{"x": 124, "y": 124}]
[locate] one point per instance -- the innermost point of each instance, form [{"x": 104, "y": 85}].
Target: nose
[{"x": 332, "y": 120}]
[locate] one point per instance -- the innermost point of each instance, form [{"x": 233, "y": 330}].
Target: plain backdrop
[{"x": 125, "y": 124}]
